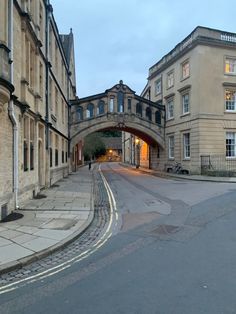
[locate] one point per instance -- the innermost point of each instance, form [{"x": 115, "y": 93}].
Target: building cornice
[
  {"x": 197, "y": 37},
  {"x": 171, "y": 95},
  {"x": 89, "y": 98},
  {"x": 184, "y": 88}
]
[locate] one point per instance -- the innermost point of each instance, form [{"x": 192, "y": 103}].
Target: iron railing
[{"x": 218, "y": 165}]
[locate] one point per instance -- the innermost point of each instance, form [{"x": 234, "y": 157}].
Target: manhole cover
[{"x": 165, "y": 229}]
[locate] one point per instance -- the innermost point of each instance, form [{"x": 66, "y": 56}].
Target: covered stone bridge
[{"x": 117, "y": 108}]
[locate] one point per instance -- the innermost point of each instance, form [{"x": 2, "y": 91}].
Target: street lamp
[
  {"x": 137, "y": 142},
  {"x": 110, "y": 154}
]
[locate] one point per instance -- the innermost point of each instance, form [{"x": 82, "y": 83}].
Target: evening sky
[{"x": 117, "y": 39}]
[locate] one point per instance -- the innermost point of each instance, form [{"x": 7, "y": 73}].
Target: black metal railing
[{"x": 218, "y": 165}]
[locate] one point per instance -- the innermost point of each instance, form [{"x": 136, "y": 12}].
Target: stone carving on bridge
[{"x": 120, "y": 117}]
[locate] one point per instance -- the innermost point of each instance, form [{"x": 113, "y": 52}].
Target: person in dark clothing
[{"x": 90, "y": 165}]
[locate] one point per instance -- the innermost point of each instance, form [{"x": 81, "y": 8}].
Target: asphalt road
[{"x": 173, "y": 251}]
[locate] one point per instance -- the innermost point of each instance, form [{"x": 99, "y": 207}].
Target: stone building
[
  {"x": 135, "y": 151},
  {"x": 113, "y": 147},
  {"x": 37, "y": 79},
  {"x": 196, "y": 81}
]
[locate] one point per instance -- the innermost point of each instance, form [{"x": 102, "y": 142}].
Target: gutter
[{"x": 11, "y": 109}]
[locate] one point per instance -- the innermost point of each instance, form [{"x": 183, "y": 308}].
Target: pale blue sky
[{"x": 121, "y": 39}]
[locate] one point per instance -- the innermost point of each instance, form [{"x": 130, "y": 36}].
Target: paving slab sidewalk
[{"x": 62, "y": 213}]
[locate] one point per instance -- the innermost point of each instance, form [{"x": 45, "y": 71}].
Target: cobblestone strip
[{"x": 80, "y": 245}]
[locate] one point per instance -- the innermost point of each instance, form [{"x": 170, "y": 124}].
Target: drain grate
[{"x": 165, "y": 229}]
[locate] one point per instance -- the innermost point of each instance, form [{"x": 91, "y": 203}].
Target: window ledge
[
  {"x": 170, "y": 119},
  {"x": 169, "y": 96},
  {"x": 230, "y": 74},
  {"x": 187, "y": 159},
  {"x": 184, "y": 78},
  {"x": 230, "y": 111},
  {"x": 185, "y": 114},
  {"x": 184, "y": 89},
  {"x": 229, "y": 84}
]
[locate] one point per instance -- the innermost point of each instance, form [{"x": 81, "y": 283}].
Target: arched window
[
  {"x": 79, "y": 113},
  {"x": 90, "y": 110},
  {"x": 158, "y": 117},
  {"x": 120, "y": 101},
  {"x": 149, "y": 113},
  {"x": 111, "y": 104},
  {"x": 100, "y": 107},
  {"x": 129, "y": 104},
  {"x": 139, "y": 109}
]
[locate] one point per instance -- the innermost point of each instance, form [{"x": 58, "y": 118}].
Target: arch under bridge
[{"x": 117, "y": 108}]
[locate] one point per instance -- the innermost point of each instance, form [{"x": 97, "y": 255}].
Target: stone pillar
[{"x": 153, "y": 159}]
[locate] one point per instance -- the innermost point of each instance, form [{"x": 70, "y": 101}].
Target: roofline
[
  {"x": 149, "y": 102},
  {"x": 146, "y": 88},
  {"x": 200, "y": 39},
  {"x": 108, "y": 90},
  {"x": 88, "y": 98}
]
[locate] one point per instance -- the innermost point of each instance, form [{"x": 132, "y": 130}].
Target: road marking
[{"x": 56, "y": 269}]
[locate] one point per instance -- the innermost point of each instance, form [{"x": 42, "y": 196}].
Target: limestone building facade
[
  {"x": 37, "y": 80},
  {"x": 196, "y": 82}
]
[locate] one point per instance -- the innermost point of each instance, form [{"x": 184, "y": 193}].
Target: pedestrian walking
[{"x": 90, "y": 165}]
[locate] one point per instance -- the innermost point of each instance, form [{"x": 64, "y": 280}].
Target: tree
[{"x": 93, "y": 146}]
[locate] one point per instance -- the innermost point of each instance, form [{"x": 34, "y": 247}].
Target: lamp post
[
  {"x": 137, "y": 142},
  {"x": 110, "y": 155}
]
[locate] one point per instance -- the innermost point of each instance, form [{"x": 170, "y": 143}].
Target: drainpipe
[
  {"x": 47, "y": 79},
  {"x": 48, "y": 9},
  {"x": 11, "y": 107},
  {"x": 69, "y": 157}
]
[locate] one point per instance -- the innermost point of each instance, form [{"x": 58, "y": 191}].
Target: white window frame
[
  {"x": 186, "y": 145},
  {"x": 170, "y": 79},
  {"x": 231, "y": 63},
  {"x": 112, "y": 104},
  {"x": 56, "y": 101},
  {"x": 184, "y": 105},
  {"x": 171, "y": 147},
  {"x": 230, "y": 105},
  {"x": 230, "y": 145},
  {"x": 158, "y": 86},
  {"x": 170, "y": 109},
  {"x": 185, "y": 69}
]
